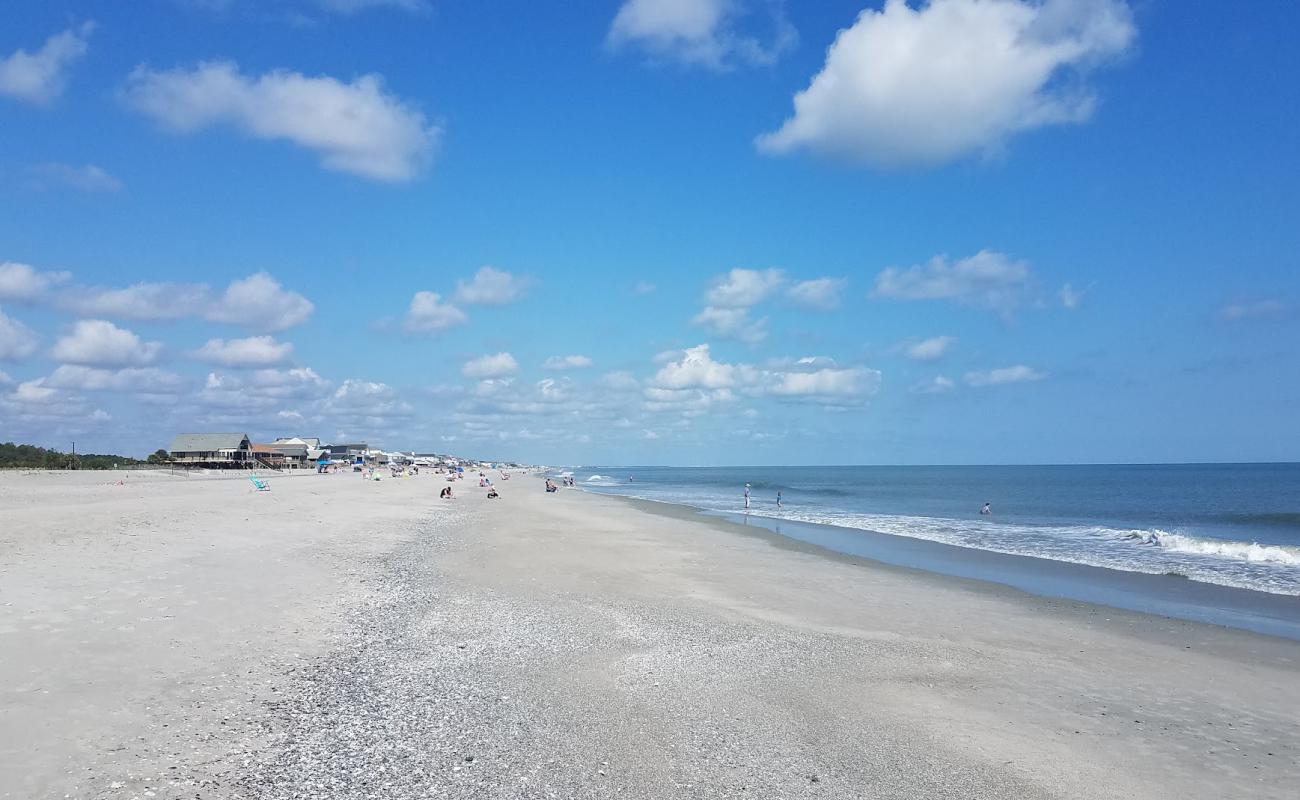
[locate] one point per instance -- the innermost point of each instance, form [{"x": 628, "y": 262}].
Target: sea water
[{"x": 1231, "y": 525}]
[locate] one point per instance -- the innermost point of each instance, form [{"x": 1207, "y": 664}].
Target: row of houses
[{"x": 237, "y": 451}]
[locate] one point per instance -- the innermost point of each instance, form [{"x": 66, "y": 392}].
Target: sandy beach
[{"x": 179, "y": 637}]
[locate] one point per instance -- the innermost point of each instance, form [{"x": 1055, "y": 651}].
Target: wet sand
[{"x": 338, "y": 639}]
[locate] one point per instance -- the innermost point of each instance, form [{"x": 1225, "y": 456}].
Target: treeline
[{"x": 32, "y": 457}]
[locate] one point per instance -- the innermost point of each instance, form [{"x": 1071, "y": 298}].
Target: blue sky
[{"x": 743, "y": 231}]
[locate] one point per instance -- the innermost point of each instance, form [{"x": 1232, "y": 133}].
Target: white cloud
[
  {"x": 429, "y": 314},
  {"x": 987, "y": 279},
  {"x": 698, "y": 32},
  {"x": 620, "y": 381},
  {"x": 98, "y": 343},
  {"x": 492, "y": 287},
  {"x": 255, "y": 351},
  {"x": 24, "y": 283},
  {"x": 261, "y": 303},
  {"x": 998, "y": 377},
  {"x": 1071, "y": 298},
  {"x": 490, "y": 366},
  {"x": 936, "y": 385},
  {"x": 696, "y": 369},
  {"x": 820, "y": 293},
  {"x": 644, "y": 287},
  {"x": 137, "y": 380},
  {"x": 354, "y": 127},
  {"x": 929, "y": 349},
  {"x": 732, "y": 323},
  {"x": 40, "y": 77},
  {"x": 1257, "y": 309},
  {"x": 257, "y": 302},
  {"x": 925, "y": 85},
  {"x": 86, "y": 178},
  {"x": 16, "y": 339},
  {"x": 742, "y": 288},
  {"x": 567, "y": 362},
  {"x": 851, "y": 382}
]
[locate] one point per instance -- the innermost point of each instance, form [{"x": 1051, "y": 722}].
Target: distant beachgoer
[
  {"x": 492, "y": 493},
  {"x": 987, "y": 509},
  {"x": 778, "y": 499},
  {"x": 747, "y": 495}
]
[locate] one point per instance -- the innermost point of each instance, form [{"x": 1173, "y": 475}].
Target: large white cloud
[
  {"x": 24, "y": 283},
  {"x": 258, "y": 302},
  {"x": 41, "y": 77},
  {"x": 695, "y": 377},
  {"x": 492, "y": 287},
  {"x": 429, "y": 313},
  {"x": 829, "y": 382},
  {"x": 742, "y": 288},
  {"x": 987, "y": 280},
  {"x": 16, "y": 339},
  {"x": 354, "y": 127},
  {"x": 99, "y": 343},
  {"x": 136, "y": 380},
  {"x": 931, "y": 82},
  {"x": 1004, "y": 375},
  {"x": 696, "y": 369},
  {"x": 255, "y": 351},
  {"x": 490, "y": 366},
  {"x": 699, "y": 32}
]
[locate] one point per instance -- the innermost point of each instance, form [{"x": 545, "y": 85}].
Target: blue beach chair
[{"x": 259, "y": 484}]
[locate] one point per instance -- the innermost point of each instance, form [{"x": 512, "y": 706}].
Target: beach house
[{"x": 220, "y": 450}]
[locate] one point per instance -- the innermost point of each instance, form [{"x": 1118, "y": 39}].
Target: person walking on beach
[{"x": 747, "y": 497}]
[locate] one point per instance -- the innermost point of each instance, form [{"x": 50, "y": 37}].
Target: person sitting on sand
[{"x": 492, "y": 493}]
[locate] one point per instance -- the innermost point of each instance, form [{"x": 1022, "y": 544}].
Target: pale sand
[{"x": 339, "y": 639}]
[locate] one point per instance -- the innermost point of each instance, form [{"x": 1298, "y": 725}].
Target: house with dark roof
[{"x": 212, "y": 449}]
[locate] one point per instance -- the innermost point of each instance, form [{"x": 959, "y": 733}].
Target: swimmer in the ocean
[{"x": 987, "y": 509}]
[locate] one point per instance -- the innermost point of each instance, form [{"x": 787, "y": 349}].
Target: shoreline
[
  {"x": 1161, "y": 595},
  {"x": 354, "y": 639}
]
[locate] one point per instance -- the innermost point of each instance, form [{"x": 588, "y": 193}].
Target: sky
[{"x": 656, "y": 231}]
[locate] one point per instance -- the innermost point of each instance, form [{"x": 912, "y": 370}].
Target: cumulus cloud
[
  {"x": 261, "y": 303},
  {"x": 742, "y": 288},
  {"x": 732, "y": 323},
  {"x": 137, "y": 380},
  {"x": 567, "y": 362},
  {"x": 696, "y": 369},
  {"x": 98, "y": 343},
  {"x": 492, "y": 287},
  {"x": 999, "y": 377},
  {"x": 354, "y": 127},
  {"x": 699, "y": 32},
  {"x": 986, "y": 280},
  {"x": 429, "y": 314},
  {"x": 17, "y": 341},
  {"x": 936, "y": 385},
  {"x": 829, "y": 382},
  {"x": 821, "y": 294},
  {"x": 39, "y": 78},
  {"x": 24, "y": 283},
  {"x": 927, "y": 83},
  {"x": 1254, "y": 309},
  {"x": 258, "y": 302},
  {"x": 86, "y": 178},
  {"x": 929, "y": 349},
  {"x": 490, "y": 366},
  {"x": 255, "y": 351}
]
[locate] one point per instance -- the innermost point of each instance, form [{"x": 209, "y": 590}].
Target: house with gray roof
[{"x": 212, "y": 449}]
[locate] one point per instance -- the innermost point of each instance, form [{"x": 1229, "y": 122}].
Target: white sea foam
[{"x": 1223, "y": 548}]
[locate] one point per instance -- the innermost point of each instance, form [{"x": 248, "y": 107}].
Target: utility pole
[{"x": 72, "y": 464}]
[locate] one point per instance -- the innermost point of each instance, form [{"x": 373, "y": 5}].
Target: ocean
[{"x": 1226, "y": 525}]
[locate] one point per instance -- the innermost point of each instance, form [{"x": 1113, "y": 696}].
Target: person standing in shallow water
[
  {"x": 778, "y": 498},
  {"x": 986, "y": 510},
  {"x": 747, "y": 497}
]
